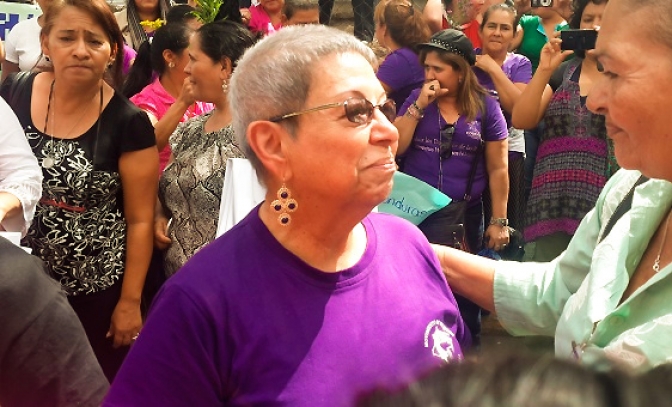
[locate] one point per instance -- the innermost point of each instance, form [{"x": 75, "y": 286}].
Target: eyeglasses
[
  {"x": 357, "y": 110},
  {"x": 446, "y": 146}
]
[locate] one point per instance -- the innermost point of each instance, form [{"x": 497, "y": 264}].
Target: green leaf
[{"x": 206, "y": 10}]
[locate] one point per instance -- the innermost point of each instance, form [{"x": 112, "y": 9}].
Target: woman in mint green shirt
[{"x": 607, "y": 298}]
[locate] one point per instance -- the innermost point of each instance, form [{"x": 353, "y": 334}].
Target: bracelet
[
  {"x": 418, "y": 108},
  {"x": 415, "y": 112},
  {"x": 503, "y": 222}
]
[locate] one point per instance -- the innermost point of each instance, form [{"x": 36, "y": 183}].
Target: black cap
[{"x": 453, "y": 41}]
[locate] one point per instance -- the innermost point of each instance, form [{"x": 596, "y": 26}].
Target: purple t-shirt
[
  {"x": 401, "y": 71},
  {"x": 246, "y": 322},
  {"x": 422, "y": 157},
  {"x": 516, "y": 67}
]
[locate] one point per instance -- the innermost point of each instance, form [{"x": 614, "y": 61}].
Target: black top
[
  {"x": 79, "y": 228},
  {"x": 45, "y": 357}
]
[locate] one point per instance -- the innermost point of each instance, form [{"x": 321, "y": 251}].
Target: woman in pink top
[
  {"x": 266, "y": 17},
  {"x": 167, "y": 98}
]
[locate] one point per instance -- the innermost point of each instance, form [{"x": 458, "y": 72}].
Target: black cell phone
[
  {"x": 578, "y": 40},
  {"x": 541, "y": 3}
]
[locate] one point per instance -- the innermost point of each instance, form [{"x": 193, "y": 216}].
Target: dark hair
[
  {"x": 577, "y": 14},
  {"x": 101, "y": 13},
  {"x": 229, "y": 11},
  {"x": 404, "y": 23},
  {"x": 470, "y": 94},
  {"x": 173, "y": 37},
  {"x": 180, "y": 13},
  {"x": 500, "y": 7},
  {"x": 225, "y": 39},
  {"x": 522, "y": 381},
  {"x": 292, "y": 6},
  {"x": 137, "y": 33},
  {"x": 577, "y": 11}
]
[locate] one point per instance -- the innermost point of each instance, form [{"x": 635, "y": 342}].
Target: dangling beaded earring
[
  {"x": 171, "y": 64},
  {"x": 225, "y": 86},
  {"x": 284, "y": 205}
]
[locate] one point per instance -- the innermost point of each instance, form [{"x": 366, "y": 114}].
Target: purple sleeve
[
  {"x": 495, "y": 124},
  {"x": 171, "y": 363},
  {"x": 129, "y": 57},
  {"x": 521, "y": 70},
  {"x": 411, "y": 98},
  {"x": 395, "y": 71}
]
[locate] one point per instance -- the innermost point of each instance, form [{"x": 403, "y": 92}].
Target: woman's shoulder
[
  {"x": 17, "y": 91},
  {"x": 393, "y": 226},
  {"x": 405, "y": 53},
  {"x": 24, "y": 27},
  {"x": 514, "y": 59},
  {"x": 123, "y": 107},
  {"x": 390, "y": 230},
  {"x": 528, "y": 20},
  {"x": 152, "y": 95},
  {"x": 122, "y": 18},
  {"x": 185, "y": 131}
]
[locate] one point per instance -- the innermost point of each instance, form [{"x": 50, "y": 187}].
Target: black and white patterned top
[
  {"x": 190, "y": 188},
  {"x": 79, "y": 229}
]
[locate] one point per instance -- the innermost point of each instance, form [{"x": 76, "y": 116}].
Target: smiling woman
[
  {"x": 93, "y": 224},
  {"x": 311, "y": 298},
  {"x": 606, "y": 298},
  {"x": 190, "y": 189}
]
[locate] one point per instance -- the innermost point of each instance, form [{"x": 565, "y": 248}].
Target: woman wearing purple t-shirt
[
  {"x": 442, "y": 129},
  {"x": 400, "y": 28},
  {"x": 505, "y": 75},
  {"x": 311, "y": 299}
]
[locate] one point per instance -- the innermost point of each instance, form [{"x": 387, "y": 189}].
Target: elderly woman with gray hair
[{"x": 311, "y": 298}]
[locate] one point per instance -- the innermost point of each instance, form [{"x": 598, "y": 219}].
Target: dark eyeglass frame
[
  {"x": 446, "y": 145},
  {"x": 353, "y": 112}
]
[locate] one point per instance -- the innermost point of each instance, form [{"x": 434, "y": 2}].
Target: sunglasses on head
[
  {"x": 357, "y": 110},
  {"x": 446, "y": 146}
]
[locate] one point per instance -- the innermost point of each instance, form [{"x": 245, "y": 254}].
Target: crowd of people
[{"x": 118, "y": 129}]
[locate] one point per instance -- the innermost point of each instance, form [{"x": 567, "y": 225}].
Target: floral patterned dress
[{"x": 190, "y": 188}]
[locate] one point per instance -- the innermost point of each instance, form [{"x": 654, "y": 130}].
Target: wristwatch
[{"x": 503, "y": 222}]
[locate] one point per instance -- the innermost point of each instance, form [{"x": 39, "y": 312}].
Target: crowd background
[{"x": 203, "y": 73}]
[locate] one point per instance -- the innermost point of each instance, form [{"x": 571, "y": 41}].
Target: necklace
[
  {"x": 656, "y": 263},
  {"x": 51, "y": 156}
]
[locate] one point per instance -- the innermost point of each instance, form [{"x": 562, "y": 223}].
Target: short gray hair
[
  {"x": 274, "y": 77},
  {"x": 660, "y": 19},
  {"x": 292, "y": 6}
]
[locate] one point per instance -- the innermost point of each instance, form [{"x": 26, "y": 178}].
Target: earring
[
  {"x": 171, "y": 64},
  {"x": 225, "y": 86},
  {"x": 46, "y": 58},
  {"x": 110, "y": 64},
  {"x": 284, "y": 205}
]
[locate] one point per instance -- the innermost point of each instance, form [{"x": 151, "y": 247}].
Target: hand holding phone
[
  {"x": 578, "y": 40},
  {"x": 541, "y": 3}
]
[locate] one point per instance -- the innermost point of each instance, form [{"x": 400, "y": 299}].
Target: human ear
[{"x": 268, "y": 141}]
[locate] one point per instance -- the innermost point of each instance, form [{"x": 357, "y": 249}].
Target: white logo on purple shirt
[{"x": 440, "y": 339}]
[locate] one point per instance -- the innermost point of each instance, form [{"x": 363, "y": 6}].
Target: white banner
[{"x": 12, "y": 13}]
